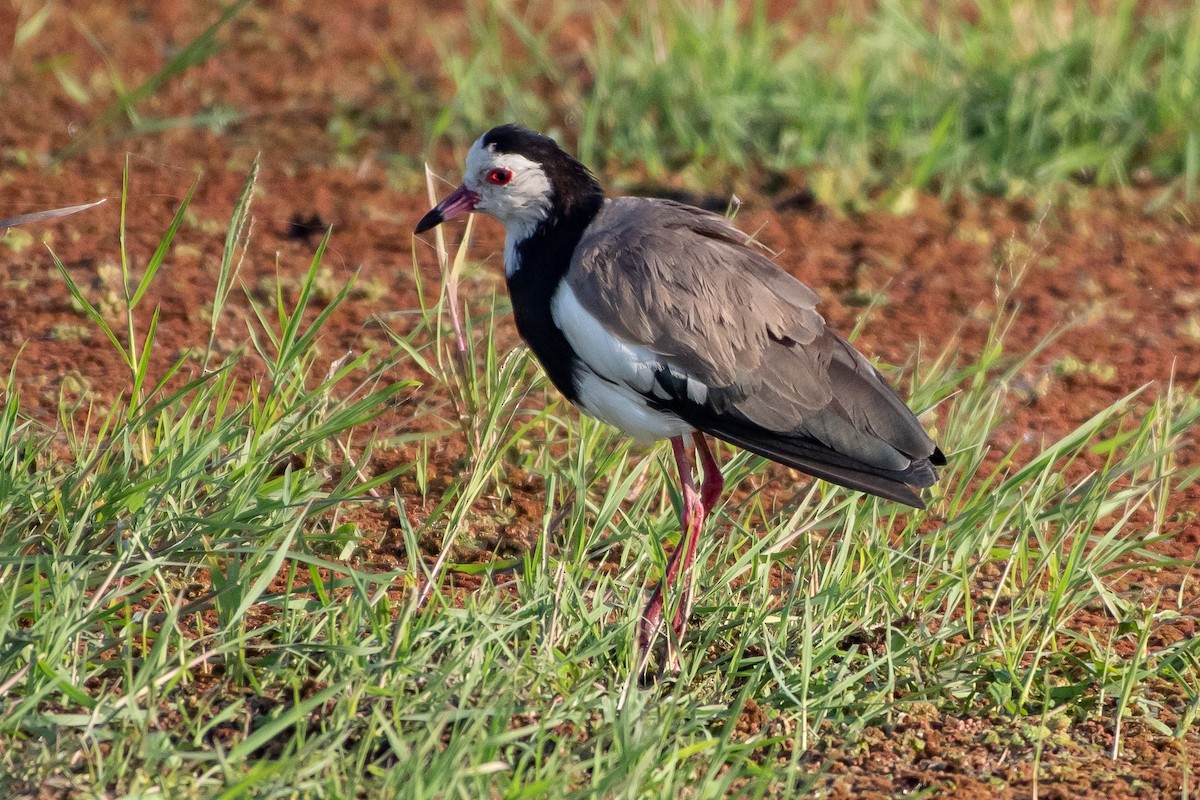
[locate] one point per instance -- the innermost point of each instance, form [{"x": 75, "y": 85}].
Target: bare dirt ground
[{"x": 1128, "y": 280}]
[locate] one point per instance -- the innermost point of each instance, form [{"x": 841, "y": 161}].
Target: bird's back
[{"x": 687, "y": 286}]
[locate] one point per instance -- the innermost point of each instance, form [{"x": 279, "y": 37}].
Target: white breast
[{"x": 612, "y": 375}]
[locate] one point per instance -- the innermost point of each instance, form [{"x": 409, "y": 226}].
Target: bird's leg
[
  {"x": 714, "y": 481},
  {"x": 692, "y": 519},
  {"x": 710, "y": 492}
]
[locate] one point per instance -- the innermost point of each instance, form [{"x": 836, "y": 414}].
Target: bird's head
[{"x": 521, "y": 178}]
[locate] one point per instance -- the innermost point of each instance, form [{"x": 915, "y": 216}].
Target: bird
[{"x": 666, "y": 322}]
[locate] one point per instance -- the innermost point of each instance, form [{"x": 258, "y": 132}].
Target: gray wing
[{"x": 683, "y": 284}]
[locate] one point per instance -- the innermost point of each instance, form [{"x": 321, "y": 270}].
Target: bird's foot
[
  {"x": 648, "y": 628},
  {"x": 651, "y": 624}
]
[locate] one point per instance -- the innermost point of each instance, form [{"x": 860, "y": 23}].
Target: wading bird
[{"x": 658, "y": 318}]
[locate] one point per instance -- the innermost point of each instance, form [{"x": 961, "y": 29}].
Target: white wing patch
[
  {"x": 607, "y": 355},
  {"x": 614, "y": 375}
]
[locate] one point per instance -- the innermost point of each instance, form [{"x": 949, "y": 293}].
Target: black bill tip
[
  {"x": 430, "y": 220},
  {"x": 461, "y": 201}
]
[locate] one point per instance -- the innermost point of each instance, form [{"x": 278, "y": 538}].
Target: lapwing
[{"x": 664, "y": 321}]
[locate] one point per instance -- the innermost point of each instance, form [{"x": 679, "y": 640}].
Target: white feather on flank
[
  {"x": 625, "y": 409},
  {"x": 613, "y": 375}
]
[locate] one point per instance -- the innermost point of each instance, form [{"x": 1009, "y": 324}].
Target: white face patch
[{"x": 520, "y": 205}]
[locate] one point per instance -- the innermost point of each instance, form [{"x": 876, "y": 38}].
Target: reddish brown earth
[{"x": 1127, "y": 278}]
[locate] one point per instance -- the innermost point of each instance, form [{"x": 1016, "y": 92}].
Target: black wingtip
[{"x": 816, "y": 459}]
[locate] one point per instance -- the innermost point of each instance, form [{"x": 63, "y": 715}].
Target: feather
[{"x": 739, "y": 350}]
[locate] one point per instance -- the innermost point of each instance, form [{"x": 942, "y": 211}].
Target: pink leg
[
  {"x": 692, "y": 518},
  {"x": 710, "y": 493},
  {"x": 714, "y": 481}
]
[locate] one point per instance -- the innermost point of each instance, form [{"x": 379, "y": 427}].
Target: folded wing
[{"x": 734, "y": 346}]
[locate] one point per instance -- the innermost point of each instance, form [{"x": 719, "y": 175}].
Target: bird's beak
[{"x": 459, "y": 202}]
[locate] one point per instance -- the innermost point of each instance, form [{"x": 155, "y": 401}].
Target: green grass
[
  {"x": 909, "y": 96},
  {"x": 179, "y": 612},
  {"x": 873, "y": 102}
]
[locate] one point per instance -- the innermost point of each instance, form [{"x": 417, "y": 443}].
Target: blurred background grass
[
  {"x": 186, "y": 607},
  {"x": 997, "y": 97},
  {"x": 870, "y": 100}
]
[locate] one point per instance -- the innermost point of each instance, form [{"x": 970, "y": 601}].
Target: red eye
[{"x": 499, "y": 176}]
